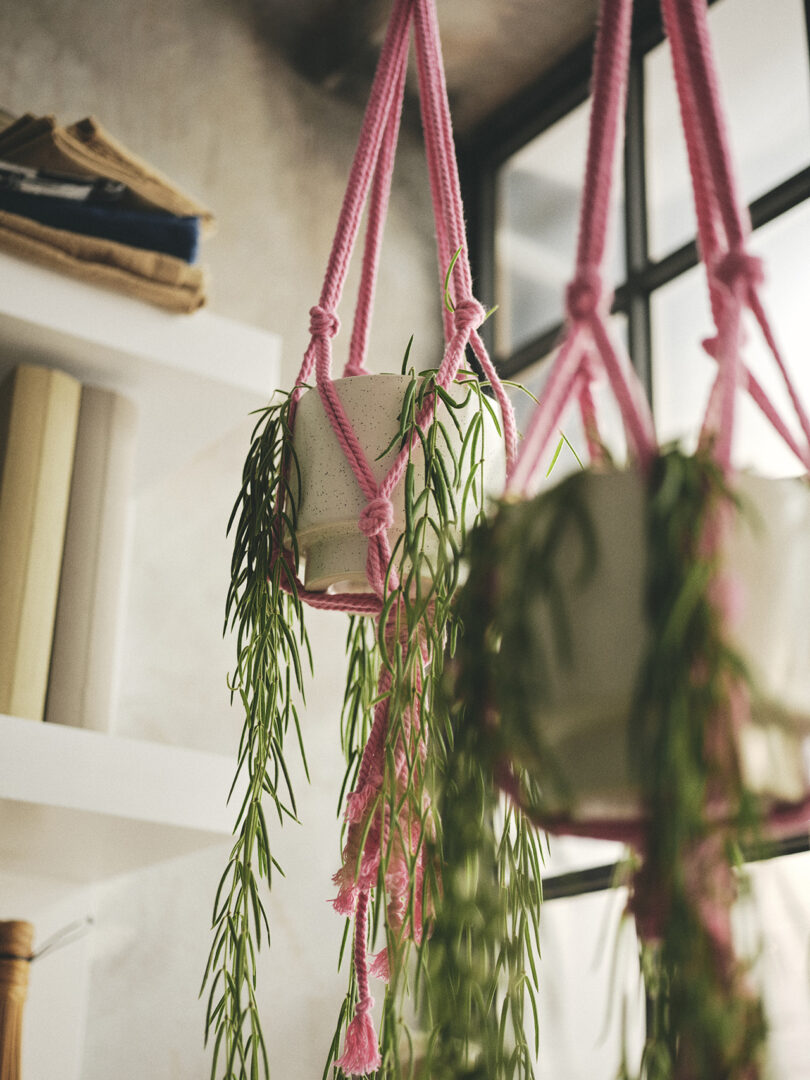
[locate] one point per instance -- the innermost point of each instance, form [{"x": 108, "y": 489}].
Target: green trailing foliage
[
  {"x": 444, "y": 495},
  {"x": 704, "y": 1018},
  {"x": 517, "y": 628},
  {"x": 421, "y": 1031},
  {"x": 480, "y": 966},
  {"x": 272, "y": 650}
]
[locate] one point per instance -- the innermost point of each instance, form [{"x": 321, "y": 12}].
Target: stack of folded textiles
[{"x": 75, "y": 199}]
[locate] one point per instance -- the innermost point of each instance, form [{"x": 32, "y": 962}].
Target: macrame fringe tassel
[
  {"x": 380, "y": 967},
  {"x": 16, "y": 940},
  {"x": 361, "y": 1052}
]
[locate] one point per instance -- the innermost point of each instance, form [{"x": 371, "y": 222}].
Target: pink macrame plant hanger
[
  {"x": 370, "y": 182},
  {"x": 734, "y": 276},
  {"x": 588, "y": 350}
]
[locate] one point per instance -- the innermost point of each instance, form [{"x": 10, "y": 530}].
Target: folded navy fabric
[{"x": 151, "y": 231}]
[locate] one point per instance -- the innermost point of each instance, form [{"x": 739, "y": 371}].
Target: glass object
[
  {"x": 682, "y": 372},
  {"x": 761, "y": 52},
  {"x": 537, "y": 213}
]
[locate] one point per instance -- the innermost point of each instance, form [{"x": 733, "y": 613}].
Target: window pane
[
  {"x": 591, "y": 998},
  {"x": 781, "y": 951},
  {"x": 761, "y": 51},
  {"x": 682, "y": 372},
  {"x": 589, "y": 975},
  {"x": 538, "y": 200}
]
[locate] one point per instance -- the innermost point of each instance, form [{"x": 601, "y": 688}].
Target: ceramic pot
[
  {"x": 333, "y": 549},
  {"x": 587, "y": 700}
]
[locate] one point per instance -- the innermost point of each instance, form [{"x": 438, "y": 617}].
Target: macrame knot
[
  {"x": 376, "y": 516},
  {"x": 468, "y": 315},
  {"x": 739, "y": 270},
  {"x": 583, "y": 295},
  {"x": 323, "y": 323}
]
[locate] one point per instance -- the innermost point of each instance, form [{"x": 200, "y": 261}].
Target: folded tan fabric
[
  {"x": 22, "y": 130},
  {"x": 158, "y": 279},
  {"x": 86, "y": 149},
  {"x": 141, "y": 177}
]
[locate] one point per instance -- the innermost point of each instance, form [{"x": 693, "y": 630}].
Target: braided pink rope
[
  {"x": 438, "y": 177},
  {"x": 610, "y": 66},
  {"x": 448, "y": 208},
  {"x": 361, "y": 1054},
  {"x": 381, "y": 97},
  {"x": 370, "y": 180},
  {"x": 587, "y": 337},
  {"x": 381, "y": 100},
  {"x": 721, "y": 225},
  {"x": 445, "y": 184},
  {"x": 712, "y": 241},
  {"x": 733, "y": 276},
  {"x": 587, "y": 411},
  {"x": 783, "y": 818},
  {"x": 377, "y": 210},
  {"x": 686, "y": 21},
  {"x": 465, "y": 320}
]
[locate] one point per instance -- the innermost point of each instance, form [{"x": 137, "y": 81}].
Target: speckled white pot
[
  {"x": 331, "y": 544},
  {"x": 769, "y": 557}
]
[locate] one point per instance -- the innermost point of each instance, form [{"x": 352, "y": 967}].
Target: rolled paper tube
[{"x": 15, "y": 954}]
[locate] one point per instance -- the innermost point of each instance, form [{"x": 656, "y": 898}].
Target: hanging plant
[
  {"x": 357, "y": 495},
  {"x": 612, "y": 674}
]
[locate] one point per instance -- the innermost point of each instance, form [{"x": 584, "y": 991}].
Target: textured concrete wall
[{"x": 195, "y": 88}]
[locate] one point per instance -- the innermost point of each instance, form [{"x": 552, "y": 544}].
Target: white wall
[{"x": 192, "y": 87}]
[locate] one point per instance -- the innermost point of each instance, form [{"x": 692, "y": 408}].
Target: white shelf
[
  {"x": 80, "y": 806},
  {"x": 193, "y": 377}
]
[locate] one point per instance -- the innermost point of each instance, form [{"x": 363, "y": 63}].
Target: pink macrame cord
[
  {"x": 734, "y": 277},
  {"x": 370, "y": 829},
  {"x": 587, "y": 343},
  {"x": 377, "y": 210}
]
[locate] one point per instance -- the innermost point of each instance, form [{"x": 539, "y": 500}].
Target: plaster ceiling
[{"x": 492, "y": 48}]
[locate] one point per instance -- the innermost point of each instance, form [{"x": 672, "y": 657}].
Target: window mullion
[{"x": 635, "y": 227}]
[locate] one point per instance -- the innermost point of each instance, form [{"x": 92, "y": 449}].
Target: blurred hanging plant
[{"x": 705, "y": 1019}]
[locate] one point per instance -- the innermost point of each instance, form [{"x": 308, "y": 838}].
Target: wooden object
[{"x": 16, "y": 939}]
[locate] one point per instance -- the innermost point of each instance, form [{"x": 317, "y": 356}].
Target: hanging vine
[
  {"x": 706, "y": 1019},
  {"x": 266, "y": 611}
]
